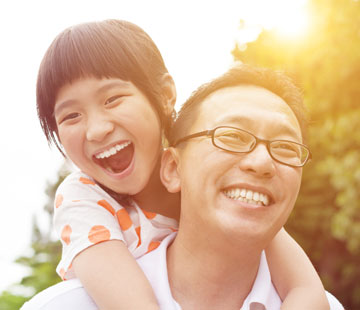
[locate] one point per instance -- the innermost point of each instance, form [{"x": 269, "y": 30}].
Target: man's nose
[
  {"x": 258, "y": 162},
  {"x": 98, "y": 128}
]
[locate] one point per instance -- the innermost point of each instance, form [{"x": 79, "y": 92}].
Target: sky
[{"x": 194, "y": 37}]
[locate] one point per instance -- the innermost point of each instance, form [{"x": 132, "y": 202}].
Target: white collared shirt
[
  {"x": 263, "y": 295},
  {"x": 71, "y": 295}
]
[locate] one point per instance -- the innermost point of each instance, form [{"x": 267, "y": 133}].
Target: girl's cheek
[{"x": 70, "y": 138}]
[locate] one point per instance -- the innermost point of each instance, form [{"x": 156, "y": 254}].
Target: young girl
[{"x": 105, "y": 98}]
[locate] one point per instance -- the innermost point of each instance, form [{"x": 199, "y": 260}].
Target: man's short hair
[{"x": 241, "y": 74}]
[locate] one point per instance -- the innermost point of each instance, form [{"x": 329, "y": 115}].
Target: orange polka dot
[
  {"x": 106, "y": 205},
  {"x": 62, "y": 273},
  {"x": 98, "y": 234},
  {"x": 124, "y": 219},
  {"x": 86, "y": 181},
  {"x": 59, "y": 200},
  {"x": 153, "y": 245},
  {"x": 149, "y": 215},
  {"x": 137, "y": 230},
  {"x": 65, "y": 234}
]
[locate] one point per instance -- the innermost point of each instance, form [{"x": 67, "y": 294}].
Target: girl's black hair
[{"x": 105, "y": 49}]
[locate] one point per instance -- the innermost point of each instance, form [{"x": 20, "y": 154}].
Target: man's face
[{"x": 212, "y": 179}]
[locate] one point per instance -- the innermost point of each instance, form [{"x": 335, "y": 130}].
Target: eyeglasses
[{"x": 237, "y": 140}]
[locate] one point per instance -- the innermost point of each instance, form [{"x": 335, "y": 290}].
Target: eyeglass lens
[{"x": 237, "y": 140}]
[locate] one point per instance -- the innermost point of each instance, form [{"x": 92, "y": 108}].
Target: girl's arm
[
  {"x": 293, "y": 275},
  {"x": 85, "y": 217},
  {"x": 113, "y": 278}
]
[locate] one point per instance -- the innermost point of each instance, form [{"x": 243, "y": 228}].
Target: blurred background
[{"x": 317, "y": 42}]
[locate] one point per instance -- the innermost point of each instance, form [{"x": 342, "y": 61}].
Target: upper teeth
[
  {"x": 113, "y": 150},
  {"x": 248, "y": 196}
]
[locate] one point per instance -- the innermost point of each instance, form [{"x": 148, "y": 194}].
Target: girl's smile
[
  {"x": 116, "y": 158},
  {"x": 110, "y": 130}
]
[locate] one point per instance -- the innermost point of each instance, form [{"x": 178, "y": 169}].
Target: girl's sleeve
[{"x": 84, "y": 215}]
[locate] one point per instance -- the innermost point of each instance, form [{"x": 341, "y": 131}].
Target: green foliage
[
  {"x": 326, "y": 219},
  {"x": 9, "y": 301},
  {"x": 326, "y": 64},
  {"x": 41, "y": 264}
]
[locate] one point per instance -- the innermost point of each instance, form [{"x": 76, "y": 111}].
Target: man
[{"x": 237, "y": 159}]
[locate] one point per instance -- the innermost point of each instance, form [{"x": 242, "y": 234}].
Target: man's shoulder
[
  {"x": 156, "y": 259},
  {"x": 334, "y": 303},
  {"x": 154, "y": 265}
]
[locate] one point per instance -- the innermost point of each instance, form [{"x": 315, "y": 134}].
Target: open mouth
[
  {"x": 248, "y": 196},
  {"x": 117, "y": 158}
]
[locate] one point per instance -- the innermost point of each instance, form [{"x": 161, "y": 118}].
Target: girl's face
[{"x": 110, "y": 130}]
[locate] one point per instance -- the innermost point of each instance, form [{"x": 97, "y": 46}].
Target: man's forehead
[{"x": 245, "y": 104}]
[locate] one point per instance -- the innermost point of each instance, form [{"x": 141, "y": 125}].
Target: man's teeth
[
  {"x": 113, "y": 150},
  {"x": 247, "y": 196}
]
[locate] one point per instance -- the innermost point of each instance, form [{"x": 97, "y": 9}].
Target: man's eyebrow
[
  {"x": 110, "y": 85},
  {"x": 246, "y": 122}
]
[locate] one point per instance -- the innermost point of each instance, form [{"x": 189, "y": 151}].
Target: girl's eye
[
  {"x": 115, "y": 100},
  {"x": 70, "y": 116}
]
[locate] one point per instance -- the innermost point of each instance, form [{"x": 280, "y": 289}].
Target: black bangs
[
  {"x": 80, "y": 53},
  {"x": 107, "y": 49}
]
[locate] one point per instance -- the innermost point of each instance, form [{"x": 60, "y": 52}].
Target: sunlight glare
[
  {"x": 290, "y": 19},
  {"x": 286, "y": 18}
]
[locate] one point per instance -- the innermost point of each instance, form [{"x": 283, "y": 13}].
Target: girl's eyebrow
[
  {"x": 62, "y": 105},
  {"x": 113, "y": 84},
  {"x": 102, "y": 89}
]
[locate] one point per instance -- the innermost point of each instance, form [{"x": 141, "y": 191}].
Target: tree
[
  {"x": 43, "y": 261},
  {"x": 326, "y": 64}
]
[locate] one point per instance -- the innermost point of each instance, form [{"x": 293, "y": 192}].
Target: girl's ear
[
  {"x": 169, "y": 171},
  {"x": 169, "y": 91}
]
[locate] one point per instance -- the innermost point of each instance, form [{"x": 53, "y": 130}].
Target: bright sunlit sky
[{"x": 195, "y": 38}]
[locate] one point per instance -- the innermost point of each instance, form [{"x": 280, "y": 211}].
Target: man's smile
[{"x": 248, "y": 196}]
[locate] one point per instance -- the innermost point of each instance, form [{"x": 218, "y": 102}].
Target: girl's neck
[{"x": 155, "y": 197}]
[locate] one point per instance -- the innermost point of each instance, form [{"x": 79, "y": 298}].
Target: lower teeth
[{"x": 250, "y": 201}]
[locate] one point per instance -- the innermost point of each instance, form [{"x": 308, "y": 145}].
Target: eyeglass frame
[{"x": 257, "y": 140}]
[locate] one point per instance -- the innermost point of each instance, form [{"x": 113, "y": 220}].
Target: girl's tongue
[{"x": 118, "y": 162}]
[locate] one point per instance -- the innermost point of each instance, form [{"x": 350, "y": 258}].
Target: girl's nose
[
  {"x": 258, "y": 162},
  {"x": 98, "y": 129}
]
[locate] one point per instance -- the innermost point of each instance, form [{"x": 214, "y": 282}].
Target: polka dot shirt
[{"x": 85, "y": 215}]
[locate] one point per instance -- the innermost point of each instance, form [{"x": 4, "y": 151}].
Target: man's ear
[
  {"x": 169, "y": 171},
  {"x": 169, "y": 91}
]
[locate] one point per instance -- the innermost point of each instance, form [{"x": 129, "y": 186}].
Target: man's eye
[
  {"x": 290, "y": 149},
  {"x": 287, "y": 146},
  {"x": 235, "y": 136},
  {"x": 232, "y": 135}
]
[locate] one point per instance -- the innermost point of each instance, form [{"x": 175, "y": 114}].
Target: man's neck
[
  {"x": 214, "y": 276},
  {"x": 155, "y": 198}
]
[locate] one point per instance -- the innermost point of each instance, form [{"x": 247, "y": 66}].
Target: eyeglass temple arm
[{"x": 195, "y": 135}]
